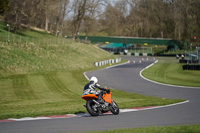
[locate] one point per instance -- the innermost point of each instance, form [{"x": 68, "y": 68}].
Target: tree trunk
[
  {"x": 66, "y": 2},
  {"x": 79, "y": 18},
  {"x": 162, "y": 34},
  {"x": 46, "y": 23},
  {"x": 179, "y": 32}
]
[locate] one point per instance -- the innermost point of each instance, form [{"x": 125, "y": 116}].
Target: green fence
[
  {"x": 128, "y": 40},
  {"x": 116, "y": 45}
]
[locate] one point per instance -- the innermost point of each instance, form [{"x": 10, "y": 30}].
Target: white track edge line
[{"x": 156, "y": 107}]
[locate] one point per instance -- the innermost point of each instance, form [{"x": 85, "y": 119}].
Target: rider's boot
[{"x": 100, "y": 99}]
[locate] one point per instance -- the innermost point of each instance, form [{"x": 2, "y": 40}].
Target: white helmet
[{"x": 94, "y": 79}]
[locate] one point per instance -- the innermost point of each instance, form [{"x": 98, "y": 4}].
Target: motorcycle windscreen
[
  {"x": 89, "y": 97},
  {"x": 108, "y": 98}
]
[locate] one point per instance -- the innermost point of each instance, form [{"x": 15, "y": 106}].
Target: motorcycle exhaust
[{"x": 96, "y": 102}]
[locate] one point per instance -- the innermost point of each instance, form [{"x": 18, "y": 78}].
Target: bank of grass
[
  {"x": 162, "y": 129},
  {"x": 34, "y": 58},
  {"x": 169, "y": 71}
]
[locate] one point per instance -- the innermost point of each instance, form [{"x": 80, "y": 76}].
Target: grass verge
[
  {"x": 163, "y": 129},
  {"x": 57, "y": 93},
  {"x": 169, "y": 71}
]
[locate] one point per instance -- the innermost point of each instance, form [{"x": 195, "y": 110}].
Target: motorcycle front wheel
[
  {"x": 114, "y": 108},
  {"x": 92, "y": 108}
]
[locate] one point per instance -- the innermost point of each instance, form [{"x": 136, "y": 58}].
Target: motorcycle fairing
[{"x": 108, "y": 98}]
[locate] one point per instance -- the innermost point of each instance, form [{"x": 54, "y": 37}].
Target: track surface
[{"x": 127, "y": 78}]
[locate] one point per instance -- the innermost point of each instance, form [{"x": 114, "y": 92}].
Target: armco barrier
[
  {"x": 183, "y": 61},
  {"x": 105, "y": 62},
  {"x": 144, "y": 54},
  {"x": 191, "y": 67},
  {"x": 139, "y": 54}
]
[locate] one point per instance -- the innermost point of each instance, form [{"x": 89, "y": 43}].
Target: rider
[{"x": 89, "y": 88}]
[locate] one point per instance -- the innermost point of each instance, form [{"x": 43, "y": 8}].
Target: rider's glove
[{"x": 108, "y": 90}]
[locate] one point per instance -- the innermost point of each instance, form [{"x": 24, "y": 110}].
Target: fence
[
  {"x": 193, "y": 57},
  {"x": 18, "y": 40},
  {"x": 131, "y": 40}
]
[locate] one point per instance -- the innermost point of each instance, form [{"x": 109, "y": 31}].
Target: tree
[
  {"x": 112, "y": 20},
  {"x": 48, "y": 7},
  {"x": 91, "y": 15},
  {"x": 3, "y": 6},
  {"x": 64, "y": 12},
  {"x": 16, "y": 13},
  {"x": 31, "y": 12},
  {"x": 79, "y": 13},
  {"x": 21, "y": 12},
  {"x": 178, "y": 19}
]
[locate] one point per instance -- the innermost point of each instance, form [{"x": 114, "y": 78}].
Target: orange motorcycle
[{"x": 95, "y": 108}]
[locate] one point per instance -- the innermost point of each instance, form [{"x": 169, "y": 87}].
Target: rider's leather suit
[{"x": 90, "y": 87}]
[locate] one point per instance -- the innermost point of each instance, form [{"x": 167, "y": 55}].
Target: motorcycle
[{"x": 95, "y": 108}]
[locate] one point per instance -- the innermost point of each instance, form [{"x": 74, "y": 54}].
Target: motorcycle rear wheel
[
  {"x": 114, "y": 108},
  {"x": 91, "y": 108}
]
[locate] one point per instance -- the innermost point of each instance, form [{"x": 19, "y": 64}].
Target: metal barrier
[
  {"x": 106, "y": 62},
  {"x": 193, "y": 57}
]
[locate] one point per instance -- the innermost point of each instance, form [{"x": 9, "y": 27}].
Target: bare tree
[
  {"x": 16, "y": 13},
  {"x": 178, "y": 19},
  {"x": 112, "y": 20},
  {"x": 32, "y": 9},
  {"x": 64, "y": 12},
  {"x": 79, "y": 13},
  {"x": 3, "y": 6},
  {"x": 91, "y": 15},
  {"x": 49, "y": 7}
]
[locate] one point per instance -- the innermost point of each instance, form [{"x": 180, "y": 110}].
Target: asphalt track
[{"x": 125, "y": 77}]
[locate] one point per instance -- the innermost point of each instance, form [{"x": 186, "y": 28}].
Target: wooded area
[{"x": 177, "y": 19}]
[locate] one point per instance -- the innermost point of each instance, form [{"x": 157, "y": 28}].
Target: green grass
[
  {"x": 175, "y": 52},
  {"x": 162, "y": 129},
  {"x": 130, "y": 100},
  {"x": 57, "y": 93},
  {"x": 41, "y": 79},
  {"x": 169, "y": 71},
  {"x": 40, "y": 94}
]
